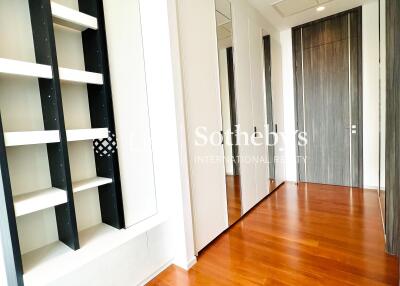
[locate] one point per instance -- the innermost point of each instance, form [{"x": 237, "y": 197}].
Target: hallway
[{"x": 301, "y": 235}]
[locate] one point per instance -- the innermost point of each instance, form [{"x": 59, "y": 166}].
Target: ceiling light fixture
[{"x": 320, "y": 8}]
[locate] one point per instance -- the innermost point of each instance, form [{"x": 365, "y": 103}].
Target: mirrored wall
[
  {"x": 228, "y": 108},
  {"x": 272, "y": 126}
]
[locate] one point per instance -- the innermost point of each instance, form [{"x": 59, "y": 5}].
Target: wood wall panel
[{"x": 392, "y": 125}]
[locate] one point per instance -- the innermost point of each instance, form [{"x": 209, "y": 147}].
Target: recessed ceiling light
[{"x": 320, "y": 8}]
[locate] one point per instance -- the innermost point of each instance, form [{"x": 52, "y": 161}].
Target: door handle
[{"x": 353, "y": 129}]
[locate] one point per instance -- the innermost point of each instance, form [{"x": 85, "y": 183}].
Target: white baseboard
[
  {"x": 156, "y": 273},
  {"x": 186, "y": 267},
  {"x": 191, "y": 263},
  {"x": 374, "y": 188},
  {"x": 187, "y": 264}
]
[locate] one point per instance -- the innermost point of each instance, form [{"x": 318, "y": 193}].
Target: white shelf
[
  {"x": 31, "y": 137},
  {"x": 48, "y": 264},
  {"x": 90, "y": 184},
  {"x": 14, "y": 67},
  {"x": 78, "y": 76},
  {"x": 86, "y": 134},
  {"x": 96, "y": 233},
  {"x": 73, "y": 19},
  {"x": 40, "y": 256},
  {"x": 39, "y": 200}
]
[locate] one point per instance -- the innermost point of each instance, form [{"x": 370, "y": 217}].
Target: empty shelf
[
  {"x": 72, "y": 75},
  {"x": 90, "y": 184},
  {"x": 43, "y": 256},
  {"x": 31, "y": 137},
  {"x": 39, "y": 200},
  {"x": 86, "y": 134},
  {"x": 71, "y": 18},
  {"x": 14, "y": 67}
]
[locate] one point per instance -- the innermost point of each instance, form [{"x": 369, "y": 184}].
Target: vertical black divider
[
  {"x": 53, "y": 118},
  {"x": 101, "y": 113},
  {"x": 8, "y": 222}
]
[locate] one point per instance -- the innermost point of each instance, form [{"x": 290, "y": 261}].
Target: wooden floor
[
  {"x": 233, "y": 197},
  {"x": 300, "y": 235}
]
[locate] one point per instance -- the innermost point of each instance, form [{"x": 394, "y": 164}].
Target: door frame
[{"x": 360, "y": 164}]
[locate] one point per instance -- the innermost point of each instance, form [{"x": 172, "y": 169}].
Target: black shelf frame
[
  {"x": 102, "y": 116},
  {"x": 101, "y": 113}
]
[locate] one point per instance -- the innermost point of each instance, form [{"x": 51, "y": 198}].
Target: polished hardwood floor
[
  {"x": 234, "y": 199},
  {"x": 301, "y": 235}
]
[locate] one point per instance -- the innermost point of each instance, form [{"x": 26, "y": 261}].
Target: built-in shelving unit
[{"x": 16, "y": 205}]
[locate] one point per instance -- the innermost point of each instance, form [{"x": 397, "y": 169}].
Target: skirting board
[
  {"x": 156, "y": 273},
  {"x": 189, "y": 265},
  {"x": 185, "y": 265},
  {"x": 372, "y": 188}
]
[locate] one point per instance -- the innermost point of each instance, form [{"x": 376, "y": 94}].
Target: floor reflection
[{"x": 234, "y": 198}]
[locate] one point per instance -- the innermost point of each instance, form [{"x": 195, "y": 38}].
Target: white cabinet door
[
  {"x": 257, "y": 78},
  {"x": 128, "y": 81},
  {"x": 244, "y": 104},
  {"x": 199, "y": 54}
]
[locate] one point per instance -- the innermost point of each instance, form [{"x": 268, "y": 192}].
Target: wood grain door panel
[{"x": 327, "y": 66}]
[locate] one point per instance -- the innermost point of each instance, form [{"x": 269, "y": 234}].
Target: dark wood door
[{"x": 327, "y": 64}]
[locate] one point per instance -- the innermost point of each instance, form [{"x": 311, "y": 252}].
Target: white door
[
  {"x": 199, "y": 54},
  {"x": 259, "y": 109},
  {"x": 244, "y": 105}
]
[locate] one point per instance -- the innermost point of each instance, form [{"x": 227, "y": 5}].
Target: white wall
[
  {"x": 3, "y": 277},
  {"x": 166, "y": 115},
  {"x": 371, "y": 70},
  {"x": 289, "y": 108},
  {"x": 184, "y": 255},
  {"x": 370, "y": 97}
]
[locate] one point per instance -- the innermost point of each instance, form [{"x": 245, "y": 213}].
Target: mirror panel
[
  {"x": 228, "y": 108},
  {"x": 276, "y": 173}
]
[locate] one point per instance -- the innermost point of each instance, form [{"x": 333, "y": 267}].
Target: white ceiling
[
  {"x": 297, "y": 12},
  {"x": 223, "y": 8},
  {"x": 291, "y": 7}
]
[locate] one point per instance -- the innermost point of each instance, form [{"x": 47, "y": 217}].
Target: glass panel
[{"x": 228, "y": 108}]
